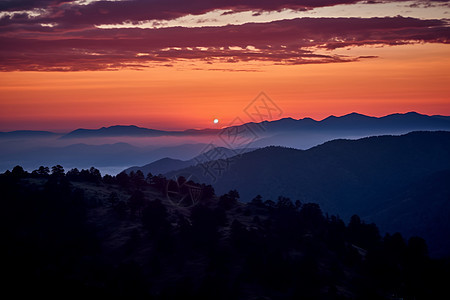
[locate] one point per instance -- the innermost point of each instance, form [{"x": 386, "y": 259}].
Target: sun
[{"x": 216, "y": 121}]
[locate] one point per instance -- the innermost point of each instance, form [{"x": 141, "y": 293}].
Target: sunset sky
[{"x": 180, "y": 64}]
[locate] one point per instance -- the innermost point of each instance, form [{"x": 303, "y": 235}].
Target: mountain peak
[{"x": 355, "y": 114}]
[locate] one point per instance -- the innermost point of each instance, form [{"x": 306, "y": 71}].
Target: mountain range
[
  {"x": 382, "y": 169},
  {"x": 381, "y": 178},
  {"x": 119, "y": 147},
  {"x": 352, "y": 123}
]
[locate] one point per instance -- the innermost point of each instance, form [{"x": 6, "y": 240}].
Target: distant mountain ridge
[
  {"x": 117, "y": 130},
  {"x": 132, "y": 131},
  {"x": 410, "y": 121},
  {"x": 27, "y": 134},
  {"x": 301, "y": 134}
]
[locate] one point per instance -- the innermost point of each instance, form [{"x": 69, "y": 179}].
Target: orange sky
[{"x": 402, "y": 78}]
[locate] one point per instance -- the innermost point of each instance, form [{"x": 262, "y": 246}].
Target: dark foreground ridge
[{"x": 79, "y": 234}]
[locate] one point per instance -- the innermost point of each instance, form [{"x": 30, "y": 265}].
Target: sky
[{"x": 181, "y": 64}]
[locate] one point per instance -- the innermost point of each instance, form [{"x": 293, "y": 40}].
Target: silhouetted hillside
[
  {"x": 421, "y": 209},
  {"x": 80, "y": 234},
  {"x": 343, "y": 176},
  {"x": 167, "y": 164},
  {"x": 161, "y": 166}
]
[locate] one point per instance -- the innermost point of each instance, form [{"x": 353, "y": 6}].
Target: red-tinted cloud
[
  {"x": 282, "y": 42},
  {"x": 15, "y": 5},
  {"x": 69, "y": 14},
  {"x": 74, "y": 43}
]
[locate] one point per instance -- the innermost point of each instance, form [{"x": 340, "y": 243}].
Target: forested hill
[{"x": 78, "y": 234}]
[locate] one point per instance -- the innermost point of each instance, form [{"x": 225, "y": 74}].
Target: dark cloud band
[{"x": 282, "y": 42}]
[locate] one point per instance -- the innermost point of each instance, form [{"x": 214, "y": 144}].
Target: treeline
[
  {"x": 211, "y": 248},
  {"x": 131, "y": 182}
]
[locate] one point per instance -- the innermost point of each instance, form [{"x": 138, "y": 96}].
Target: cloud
[
  {"x": 295, "y": 41},
  {"x": 14, "y": 5},
  {"x": 79, "y": 14}
]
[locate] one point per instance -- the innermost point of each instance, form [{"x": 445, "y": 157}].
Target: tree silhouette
[
  {"x": 154, "y": 217},
  {"x": 41, "y": 172},
  {"x": 113, "y": 199},
  {"x": 123, "y": 179},
  {"x": 136, "y": 202},
  {"x": 95, "y": 175},
  {"x": 57, "y": 171},
  {"x": 73, "y": 174},
  {"x": 257, "y": 201},
  {"x": 228, "y": 200},
  {"x": 18, "y": 172}
]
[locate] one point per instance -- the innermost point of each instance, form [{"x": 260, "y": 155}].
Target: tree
[
  {"x": 311, "y": 216},
  {"x": 362, "y": 234},
  {"x": 58, "y": 171},
  {"x": 229, "y": 199},
  {"x": 149, "y": 178},
  {"x": 135, "y": 202},
  {"x": 154, "y": 216},
  {"x": 238, "y": 234},
  {"x": 84, "y": 175},
  {"x": 73, "y": 174},
  {"x": 137, "y": 178},
  {"x": 113, "y": 199},
  {"x": 207, "y": 192},
  {"x": 269, "y": 204},
  {"x": 257, "y": 201},
  {"x": 18, "y": 172},
  {"x": 42, "y": 171},
  {"x": 160, "y": 182},
  {"x": 417, "y": 249},
  {"x": 205, "y": 224},
  {"x": 108, "y": 179},
  {"x": 284, "y": 203},
  {"x": 95, "y": 175},
  {"x": 123, "y": 179}
]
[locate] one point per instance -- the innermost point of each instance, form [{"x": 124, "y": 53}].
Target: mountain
[
  {"x": 306, "y": 133},
  {"x": 410, "y": 121},
  {"x": 34, "y": 148},
  {"x": 312, "y": 132},
  {"x": 167, "y": 164},
  {"x": 112, "y": 131},
  {"x": 161, "y": 166},
  {"x": 132, "y": 131},
  {"x": 27, "y": 134},
  {"x": 343, "y": 176},
  {"x": 421, "y": 209},
  {"x": 336, "y": 165}
]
